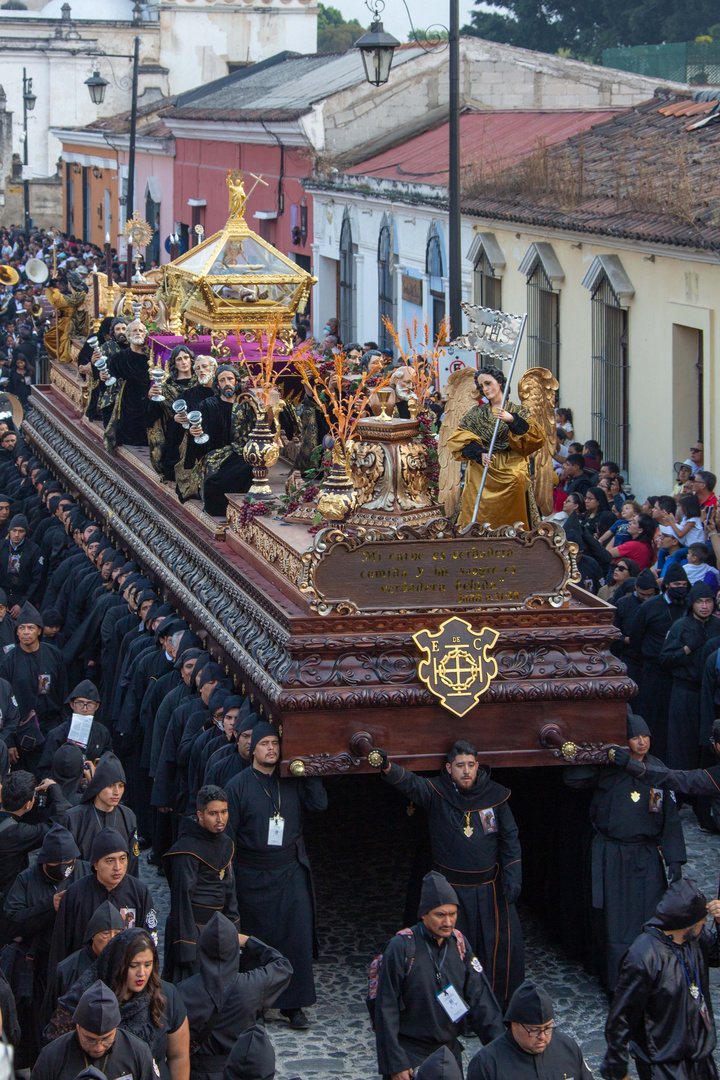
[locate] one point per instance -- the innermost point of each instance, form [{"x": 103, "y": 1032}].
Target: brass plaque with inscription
[{"x": 444, "y": 569}]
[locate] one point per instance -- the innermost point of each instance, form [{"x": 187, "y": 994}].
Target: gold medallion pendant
[
  {"x": 635, "y": 796},
  {"x": 468, "y": 830}
]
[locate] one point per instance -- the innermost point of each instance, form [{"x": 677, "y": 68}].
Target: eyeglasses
[
  {"x": 537, "y": 1033},
  {"x": 696, "y": 449}
]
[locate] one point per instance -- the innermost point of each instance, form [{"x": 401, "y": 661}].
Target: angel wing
[
  {"x": 462, "y": 396},
  {"x": 537, "y": 389}
]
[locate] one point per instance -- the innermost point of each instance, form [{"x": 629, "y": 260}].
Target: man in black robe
[
  {"x": 647, "y": 637},
  {"x": 429, "y": 985},
  {"x": 36, "y": 672},
  {"x": 683, "y": 655},
  {"x": 7, "y": 625},
  {"x": 30, "y": 908},
  {"x": 474, "y": 841},
  {"x": 106, "y": 923},
  {"x": 626, "y": 611},
  {"x": 201, "y": 879},
  {"x": 230, "y": 760},
  {"x": 25, "y": 821},
  {"x": 20, "y": 566},
  {"x": 252, "y": 1057},
  {"x": 662, "y": 1011},
  {"x": 221, "y": 1001},
  {"x": 81, "y": 729},
  {"x": 530, "y": 1047},
  {"x": 109, "y": 880},
  {"x": 97, "y": 1039},
  {"x": 127, "y": 425},
  {"x": 219, "y": 463},
  {"x": 101, "y": 807},
  {"x": 274, "y": 882}
]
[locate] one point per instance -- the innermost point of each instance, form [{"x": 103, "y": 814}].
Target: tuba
[
  {"x": 37, "y": 271},
  {"x": 8, "y": 275}
]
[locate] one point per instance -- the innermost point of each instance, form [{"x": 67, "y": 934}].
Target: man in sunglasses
[{"x": 531, "y": 1045}]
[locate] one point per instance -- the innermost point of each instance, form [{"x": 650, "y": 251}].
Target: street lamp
[
  {"x": 377, "y": 49},
  {"x": 96, "y": 87},
  {"x": 29, "y": 100}
]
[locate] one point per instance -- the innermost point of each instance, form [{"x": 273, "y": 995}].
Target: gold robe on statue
[
  {"x": 72, "y": 320},
  {"x": 507, "y": 496}
]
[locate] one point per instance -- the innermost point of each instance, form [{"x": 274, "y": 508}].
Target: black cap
[
  {"x": 436, "y": 890},
  {"x": 106, "y": 917},
  {"x": 530, "y": 1005},
  {"x": 91, "y": 1073},
  {"x": 636, "y": 725},
  {"x": 675, "y": 572},
  {"x": 682, "y": 905},
  {"x": 84, "y": 689},
  {"x": 3, "y": 598},
  {"x": 97, "y": 1010},
  {"x": 188, "y": 654},
  {"x": 108, "y": 771},
  {"x": 261, "y": 730},
  {"x": 52, "y": 617},
  {"x": 442, "y": 1065},
  {"x": 646, "y": 580},
  {"x": 107, "y": 842},
  {"x": 252, "y": 1057},
  {"x": 19, "y": 522},
  {"x": 58, "y": 846},
  {"x": 701, "y": 591},
  {"x": 211, "y": 672},
  {"x": 29, "y": 614}
]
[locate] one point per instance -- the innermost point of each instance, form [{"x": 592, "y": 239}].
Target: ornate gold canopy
[{"x": 235, "y": 279}]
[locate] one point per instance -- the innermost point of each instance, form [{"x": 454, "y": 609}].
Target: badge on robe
[
  {"x": 43, "y": 684},
  {"x": 635, "y": 796},
  {"x": 656, "y": 801},
  {"x": 488, "y": 821}
]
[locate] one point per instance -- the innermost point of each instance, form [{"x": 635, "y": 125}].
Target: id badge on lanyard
[
  {"x": 452, "y": 1003},
  {"x": 276, "y": 828}
]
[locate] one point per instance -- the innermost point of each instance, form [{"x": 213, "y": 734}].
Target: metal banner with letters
[{"x": 457, "y": 667}]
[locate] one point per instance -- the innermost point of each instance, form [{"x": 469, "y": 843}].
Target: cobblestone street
[{"x": 360, "y": 880}]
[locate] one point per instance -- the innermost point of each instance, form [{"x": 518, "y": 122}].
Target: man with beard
[
  {"x": 635, "y": 830},
  {"x": 109, "y": 880},
  {"x": 97, "y": 1038},
  {"x": 219, "y": 464},
  {"x": 626, "y": 611},
  {"x": 100, "y": 808},
  {"x": 274, "y": 882},
  {"x": 662, "y": 1011},
  {"x": 647, "y": 637},
  {"x": 683, "y": 654},
  {"x": 30, "y": 908},
  {"x": 429, "y": 986},
  {"x": 127, "y": 425},
  {"x": 200, "y": 874},
  {"x": 474, "y": 842},
  {"x": 88, "y": 358}
]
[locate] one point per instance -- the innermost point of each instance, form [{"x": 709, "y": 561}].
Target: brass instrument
[{"x": 8, "y": 275}]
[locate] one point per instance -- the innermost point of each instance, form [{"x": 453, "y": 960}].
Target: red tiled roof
[
  {"x": 488, "y": 141},
  {"x": 650, "y": 173}
]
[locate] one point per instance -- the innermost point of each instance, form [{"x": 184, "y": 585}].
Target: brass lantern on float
[{"x": 235, "y": 280}]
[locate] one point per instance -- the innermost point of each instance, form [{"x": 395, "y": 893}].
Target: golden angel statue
[
  {"x": 537, "y": 389},
  {"x": 236, "y": 192},
  {"x": 465, "y": 434}
]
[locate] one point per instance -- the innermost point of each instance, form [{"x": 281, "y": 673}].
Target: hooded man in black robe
[
  {"x": 20, "y": 566},
  {"x": 7, "y": 625},
  {"x": 221, "y": 1001},
  {"x": 662, "y": 1011},
  {"x": 30, "y": 908},
  {"x": 474, "y": 841},
  {"x": 201, "y": 879},
  {"x": 28, "y": 813},
  {"x": 106, "y": 923},
  {"x": 100, "y": 807},
  {"x": 627, "y": 608},
  {"x": 635, "y": 830},
  {"x": 232, "y": 758},
  {"x": 429, "y": 985},
  {"x": 272, "y": 870},
  {"x": 683, "y": 655},
  {"x": 67, "y": 769},
  {"x": 109, "y": 880},
  {"x": 530, "y": 1047},
  {"x": 647, "y": 637},
  {"x": 98, "y": 1038},
  {"x": 218, "y": 465},
  {"x": 252, "y": 1057},
  {"x": 81, "y": 729},
  {"x": 36, "y": 672}
]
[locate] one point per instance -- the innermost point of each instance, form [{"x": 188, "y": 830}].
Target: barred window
[
  {"x": 543, "y": 325},
  {"x": 488, "y": 288},
  {"x": 386, "y": 292},
  {"x": 609, "y": 402},
  {"x": 346, "y": 313}
]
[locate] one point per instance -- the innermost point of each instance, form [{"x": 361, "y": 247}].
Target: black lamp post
[
  {"x": 96, "y": 86},
  {"x": 29, "y": 100},
  {"x": 377, "y": 50}
]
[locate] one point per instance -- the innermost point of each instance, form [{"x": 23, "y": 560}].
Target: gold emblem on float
[{"x": 457, "y": 667}]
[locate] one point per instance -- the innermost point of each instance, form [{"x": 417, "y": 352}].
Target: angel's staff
[{"x": 497, "y": 336}]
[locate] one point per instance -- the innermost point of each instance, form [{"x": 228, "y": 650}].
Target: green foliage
[
  {"x": 433, "y": 34},
  {"x": 583, "y": 28},
  {"x": 334, "y": 33}
]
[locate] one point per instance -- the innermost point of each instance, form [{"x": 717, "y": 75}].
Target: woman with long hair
[
  {"x": 639, "y": 547},
  {"x": 598, "y": 516},
  {"x": 507, "y": 496},
  {"x": 165, "y": 436},
  {"x": 150, "y": 1008},
  {"x": 623, "y": 570}
]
